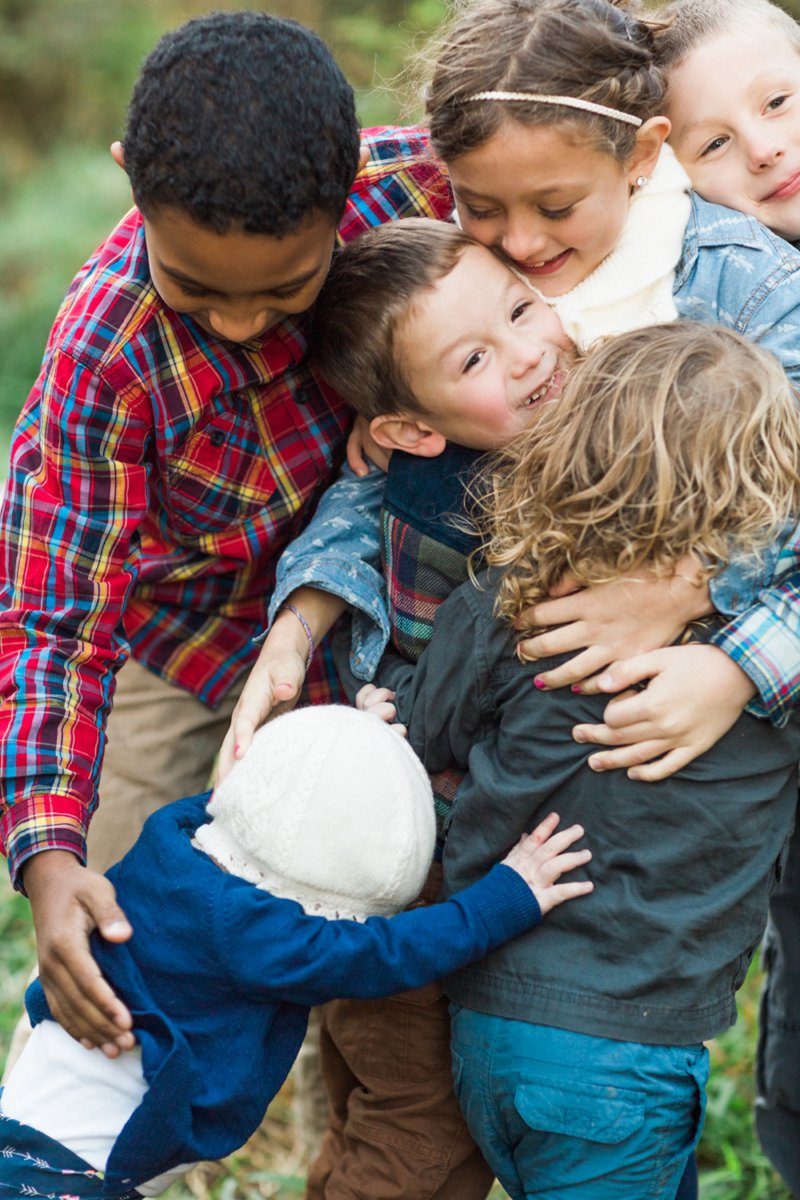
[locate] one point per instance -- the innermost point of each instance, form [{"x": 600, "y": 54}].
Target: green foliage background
[{"x": 66, "y": 70}]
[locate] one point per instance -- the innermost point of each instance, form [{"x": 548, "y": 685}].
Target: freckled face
[
  {"x": 734, "y": 103},
  {"x": 480, "y": 350},
  {"x": 236, "y": 285},
  {"x": 553, "y": 205}
]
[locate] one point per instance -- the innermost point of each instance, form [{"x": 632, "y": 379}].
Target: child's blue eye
[{"x": 716, "y": 144}]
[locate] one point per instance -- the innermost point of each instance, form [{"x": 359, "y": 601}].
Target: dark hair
[
  {"x": 589, "y": 49},
  {"x": 371, "y": 288},
  {"x": 242, "y": 119}
]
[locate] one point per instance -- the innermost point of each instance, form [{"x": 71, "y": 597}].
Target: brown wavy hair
[
  {"x": 591, "y": 49},
  {"x": 673, "y": 439}
]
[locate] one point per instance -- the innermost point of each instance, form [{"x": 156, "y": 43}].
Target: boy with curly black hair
[{"x": 174, "y": 442}]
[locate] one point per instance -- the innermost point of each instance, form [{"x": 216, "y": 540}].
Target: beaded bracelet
[{"x": 307, "y": 628}]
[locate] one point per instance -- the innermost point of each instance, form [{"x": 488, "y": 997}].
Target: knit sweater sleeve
[{"x": 275, "y": 952}]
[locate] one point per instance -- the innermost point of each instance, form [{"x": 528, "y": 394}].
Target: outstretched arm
[{"x": 385, "y": 955}]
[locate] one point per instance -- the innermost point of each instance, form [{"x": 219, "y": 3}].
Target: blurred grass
[{"x": 270, "y": 1167}]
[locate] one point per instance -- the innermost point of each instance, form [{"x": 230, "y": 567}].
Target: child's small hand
[
  {"x": 610, "y": 621},
  {"x": 360, "y": 443},
  {"x": 540, "y": 858},
  {"x": 378, "y": 701},
  {"x": 694, "y": 694}
]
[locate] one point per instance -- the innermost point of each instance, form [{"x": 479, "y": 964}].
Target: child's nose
[
  {"x": 238, "y": 326},
  {"x": 526, "y": 357},
  {"x": 524, "y": 241},
  {"x": 763, "y": 150}
]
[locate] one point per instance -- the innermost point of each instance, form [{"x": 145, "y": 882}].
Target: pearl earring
[{"x": 642, "y": 180}]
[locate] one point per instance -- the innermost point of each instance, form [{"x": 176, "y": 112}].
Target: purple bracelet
[{"x": 307, "y": 628}]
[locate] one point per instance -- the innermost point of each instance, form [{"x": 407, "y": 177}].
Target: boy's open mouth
[{"x": 541, "y": 392}]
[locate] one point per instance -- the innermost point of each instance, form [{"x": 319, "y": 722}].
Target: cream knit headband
[{"x": 566, "y": 101}]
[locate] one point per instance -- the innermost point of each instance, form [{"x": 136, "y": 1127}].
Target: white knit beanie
[{"x": 329, "y": 807}]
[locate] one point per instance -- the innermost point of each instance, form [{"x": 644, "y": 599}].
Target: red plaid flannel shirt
[{"x": 156, "y": 475}]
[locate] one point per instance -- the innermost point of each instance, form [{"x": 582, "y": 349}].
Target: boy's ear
[
  {"x": 401, "y": 431},
  {"x": 118, "y": 154},
  {"x": 649, "y": 139}
]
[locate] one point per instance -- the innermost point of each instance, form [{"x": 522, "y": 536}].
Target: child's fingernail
[
  {"x": 539, "y": 682},
  {"x": 596, "y": 764},
  {"x": 117, "y": 926},
  {"x": 579, "y": 736}
]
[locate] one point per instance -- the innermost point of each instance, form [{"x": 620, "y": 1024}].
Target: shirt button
[{"x": 216, "y": 437}]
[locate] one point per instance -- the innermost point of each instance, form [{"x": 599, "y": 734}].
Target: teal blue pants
[{"x": 567, "y": 1116}]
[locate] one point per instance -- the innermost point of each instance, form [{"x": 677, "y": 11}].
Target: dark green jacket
[{"x": 683, "y": 868}]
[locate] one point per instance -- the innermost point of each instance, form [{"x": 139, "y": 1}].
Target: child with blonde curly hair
[{"x": 578, "y": 1055}]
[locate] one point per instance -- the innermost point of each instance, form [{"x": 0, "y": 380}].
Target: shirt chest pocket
[
  {"x": 219, "y": 478},
  {"x": 247, "y": 473}
]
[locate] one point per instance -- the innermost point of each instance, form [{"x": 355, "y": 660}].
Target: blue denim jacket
[{"x": 733, "y": 271}]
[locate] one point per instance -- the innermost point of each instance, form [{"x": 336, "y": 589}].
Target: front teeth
[{"x": 536, "y": 396}]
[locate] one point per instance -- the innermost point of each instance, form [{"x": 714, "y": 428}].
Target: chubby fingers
[
  {"x": 560, "y": 864},
  {"x": 543, "y": 830},
  {"x": 560, "y": 892},
  {"x": 377, "y": 700},
  {"x": 555, "y": 844}
]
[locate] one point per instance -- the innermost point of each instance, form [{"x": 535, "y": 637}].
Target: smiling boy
[
  {"x": 176, "y": 439},
  {"x": 446, "y": 353},
  {"x": 733, "y": 93}
]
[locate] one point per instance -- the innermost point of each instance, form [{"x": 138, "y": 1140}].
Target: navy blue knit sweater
[{"x": 219, "y": 977}]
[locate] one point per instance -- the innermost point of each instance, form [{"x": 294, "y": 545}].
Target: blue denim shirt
[{"x": 733, "y": 271}]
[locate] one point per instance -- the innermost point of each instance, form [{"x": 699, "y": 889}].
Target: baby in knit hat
[{"x": 247, "y": 909}]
